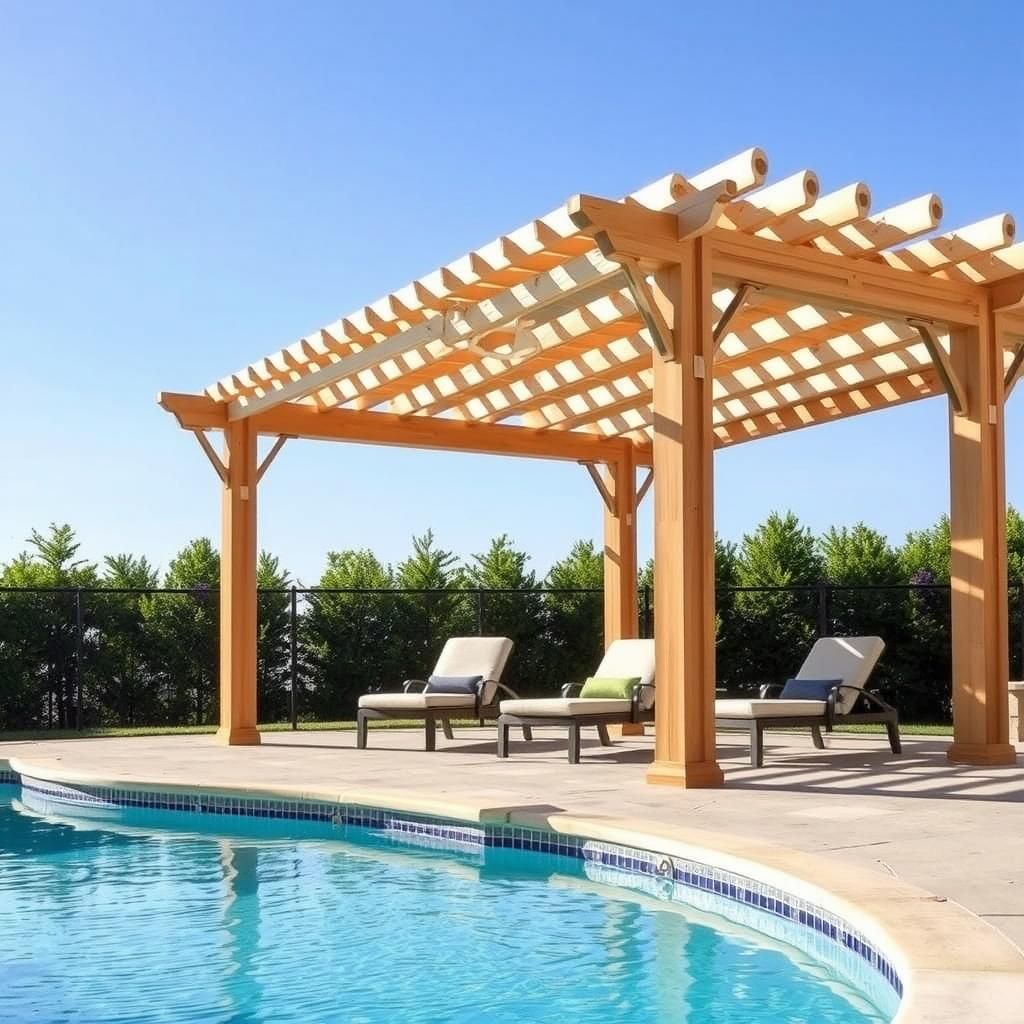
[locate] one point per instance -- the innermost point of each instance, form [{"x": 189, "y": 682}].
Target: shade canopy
[{"x": 824, "y": 309}]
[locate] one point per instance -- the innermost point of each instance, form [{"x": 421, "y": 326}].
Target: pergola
[{"x": 644, "y": 333}]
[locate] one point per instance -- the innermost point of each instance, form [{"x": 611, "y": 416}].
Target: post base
[
  {"x": 626, "y": 729},
  {"x": 982, "y": 753},
  {"x": 698, "y": 775},
  {"x": 238, "y": 736}
]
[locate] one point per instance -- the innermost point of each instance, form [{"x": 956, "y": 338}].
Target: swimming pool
[{"x": 136, "y": 914}]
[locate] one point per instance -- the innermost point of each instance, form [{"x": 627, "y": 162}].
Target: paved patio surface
[{"x": 954, "y": 830}]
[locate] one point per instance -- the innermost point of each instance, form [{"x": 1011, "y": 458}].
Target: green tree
[
  {"x": 778, "y": 625},
  {"x": 182, "y": 633},
  {"x": 575, "y": 615},
  {"x": 122, "y": 681},
  {"x": 349, "y": 634},
  {"x": 925, "y": 553},
  {"x": 439, "y": 611},
  {"x": 39, "y": 641},
  {"x": 273, "y": 641},
  {"x": 517, "y": 613}
]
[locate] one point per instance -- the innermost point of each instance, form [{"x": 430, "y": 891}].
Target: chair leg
[
  {"x": 446, "y": 726},
  {"x": 574, "y": 743},
  {"x": 756, "y": 744},
  {"x": 430, "y": 728},
  {"x": 527, "y": 733},
  {"x": 816, "y": 736},
  {"x": 893, "y": 729},
  {"x": 602, "y": 734},
  {"x": 503, "y": 731},
  {"x": 361, "y": 730}
]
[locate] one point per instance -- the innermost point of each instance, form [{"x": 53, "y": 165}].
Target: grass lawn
[{"x": 200, "y": 730}]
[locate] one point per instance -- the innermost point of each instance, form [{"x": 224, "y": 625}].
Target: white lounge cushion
[
  {"x": 629, "y": 659},
  {"x": 415, "y": 701},
  {"x": 483, "y": 656},
  {"x": 850, "y": 658},
  {"x": 768, "y": 708},
  {"x": 561, "y": 707}
]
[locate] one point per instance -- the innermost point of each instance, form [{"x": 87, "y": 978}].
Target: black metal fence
[{"x": 93, "y": 657}]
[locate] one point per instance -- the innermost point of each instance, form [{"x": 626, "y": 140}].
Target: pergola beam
[
  {"x": 785, "y": 269},
  {"x": 303, "y": 421}
]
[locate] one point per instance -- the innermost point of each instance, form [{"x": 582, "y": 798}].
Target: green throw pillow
[{"x": 609, "y": 689}]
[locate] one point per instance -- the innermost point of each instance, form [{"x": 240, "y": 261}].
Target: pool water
[{"x": 157, "y": 918}]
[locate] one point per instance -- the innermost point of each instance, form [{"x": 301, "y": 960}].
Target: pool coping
[{"x": 953, "y": 966}]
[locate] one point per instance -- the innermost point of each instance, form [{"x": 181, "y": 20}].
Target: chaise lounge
[
  {"x": 620, "y": 691},
  {"x": 824, "y": 692},
  {"x": 465, "y": 683}
]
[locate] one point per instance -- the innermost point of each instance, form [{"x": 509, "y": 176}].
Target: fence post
[
  {"x": 293, "y": 667},
  {"x": 479, "y": 611},
  {"x": 78, "y": 658},
  {"x": 823, "y": 623},
  {"x": 646, "y": 617}
]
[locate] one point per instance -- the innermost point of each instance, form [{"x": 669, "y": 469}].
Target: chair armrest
[
  {"x": 502, "y": 688},
  {"x": 482, "y": 686},
  {"x": 569, "y": 687},
  {"x": 409, "y": 685},
  {"x": 871, "y": 698},
  {"x": 634, "y": 700},
  {"x": 765, "y": 693}
]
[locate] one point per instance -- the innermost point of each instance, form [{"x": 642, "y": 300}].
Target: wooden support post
[
  {"x": 238, "y": 588},
  {"x": 684, "y": 542},
  {"x": 978, "y": 557},
  {"x": 621, "y": 614}
]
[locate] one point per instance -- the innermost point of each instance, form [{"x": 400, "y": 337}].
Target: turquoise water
[{"x": 155, "y": 918}]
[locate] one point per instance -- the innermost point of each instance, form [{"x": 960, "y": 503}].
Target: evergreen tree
[
  {"x": 39, "y": 637},
  {"x": 518, "y": 615},
  {"x": 575, "y": 610},
  {"x": 182, "y": 634},
  {"x": 273, "y": 643},
  {"x": 351, "y": 638},
  {"x": 779, "y": 625},
  {"x": 122, "y": 683},
  {"x": 429, "y": 618}
]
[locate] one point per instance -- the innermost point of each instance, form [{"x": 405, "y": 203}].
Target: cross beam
[{"x": 197, "y": 412}]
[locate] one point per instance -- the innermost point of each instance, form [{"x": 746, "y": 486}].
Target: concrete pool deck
[{"x": 953, "y": 830}]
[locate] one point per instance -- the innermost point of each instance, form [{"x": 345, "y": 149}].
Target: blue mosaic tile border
[
  {"x": 8, "y": 778},
  {"x": 675, "y": 875}
]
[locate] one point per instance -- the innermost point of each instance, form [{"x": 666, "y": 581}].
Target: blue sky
[{"x": 187, "y": 187}]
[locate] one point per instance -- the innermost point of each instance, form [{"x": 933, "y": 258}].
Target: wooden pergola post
[
  {"x": 978, "y": 571},
  {"x": 621, "y": 612},
  {"x": 684, "y": 548},
  {"x": 238, "y": 600}
]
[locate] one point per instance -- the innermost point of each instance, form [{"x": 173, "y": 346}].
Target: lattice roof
[{"x": 802, "y": 336}]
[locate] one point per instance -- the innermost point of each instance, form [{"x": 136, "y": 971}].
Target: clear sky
[{"x": 186, "y": 187}]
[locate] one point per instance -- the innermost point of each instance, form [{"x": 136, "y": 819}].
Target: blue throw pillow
[
  {"x": 808, "y": 689},
  {"x": 453, "y": 684}
]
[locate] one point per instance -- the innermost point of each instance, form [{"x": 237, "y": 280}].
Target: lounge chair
[
  {"x": 465, "y": 683},
  {"x": 824, "y": 692},
  {"x": 624, "y": 659}
]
